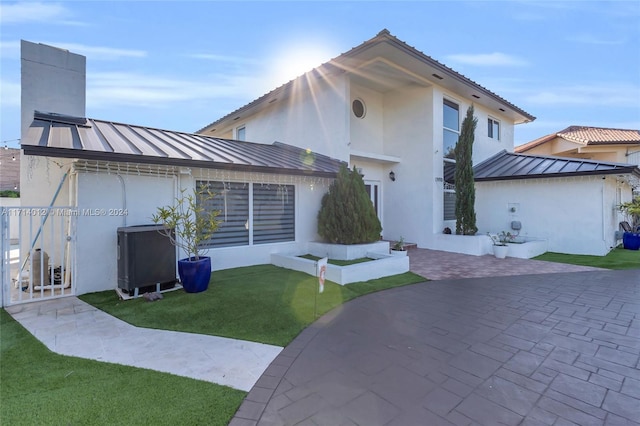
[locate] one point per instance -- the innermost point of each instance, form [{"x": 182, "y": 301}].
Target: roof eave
[
  {"x": 383, "y": 36},
  {"x": 43, "y": 151}
]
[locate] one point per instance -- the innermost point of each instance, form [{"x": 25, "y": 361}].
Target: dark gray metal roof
[
  {"x": 510, "y": 166},
  {"x": 57, "y": 135}
]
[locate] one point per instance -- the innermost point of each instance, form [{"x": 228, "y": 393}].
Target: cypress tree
[
  {"x": 464, "y": 180},
  {"x": 347, "y": 215}
]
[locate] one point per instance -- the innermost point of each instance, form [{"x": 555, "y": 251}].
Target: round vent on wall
[{"x": 359, "y": 110}]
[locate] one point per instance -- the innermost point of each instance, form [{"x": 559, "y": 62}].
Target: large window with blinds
[
  {"x": 232, "y": 200},
  {"x": 273, "y": 213},
  {"x": 272, "y": 217}
]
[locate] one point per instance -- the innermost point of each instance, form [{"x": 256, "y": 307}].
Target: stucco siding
[
  {"x": 366, "y": 133},
  {"x": 141, "y": 195},
  {"x": 408, "y": 134},
  {"x": 314, "y": 116},
  {"x": 576, "y": 215}
]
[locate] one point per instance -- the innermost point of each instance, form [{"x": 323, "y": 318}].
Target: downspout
[
  {"x": 604, "y": 211},
  {"x": 124, "y": 199}
]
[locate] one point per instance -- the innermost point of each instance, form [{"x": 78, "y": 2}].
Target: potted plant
[
  {"x": 188, "y": 224},
  {"x": 398, "y": 248},
  {"x": 631, "y": 209},
  {"x": 500, "y": 247}
]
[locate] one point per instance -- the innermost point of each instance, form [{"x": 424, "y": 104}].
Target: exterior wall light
[{"x": 392, "y": 176}]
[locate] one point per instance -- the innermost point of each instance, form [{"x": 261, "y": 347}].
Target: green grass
[
  {"x": 616, "y": 259},
  {"x": 339, "y": 262},
  {"x": 261, "y": 303},
  {"x": 44, "y": 388}
]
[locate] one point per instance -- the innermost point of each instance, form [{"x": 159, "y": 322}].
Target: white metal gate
[{"x": 38, "y": 253}]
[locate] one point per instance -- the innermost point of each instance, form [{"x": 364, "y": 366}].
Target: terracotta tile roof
[
  {"x": 586, "y": 135},
  {"x": 600, "y": 135}
]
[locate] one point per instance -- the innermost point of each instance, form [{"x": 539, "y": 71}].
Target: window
[
  {"x": 273, "y": 208},
  {"x": 451, "y": 128},
  {"x": 232, "y": 200},
  {"x": 449, "y": 190},
  {"x": 358, "y": 108},
  {"x": 241, "y": 133},
  {"x": 273, "y": 213},
  {"x": 450, "y": 135},
  {"x": 493, "y": 129}
]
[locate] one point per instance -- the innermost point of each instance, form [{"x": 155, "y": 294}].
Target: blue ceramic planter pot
[
  {"x": 631, "y": 241},
  {"x": 195, "y": 274}
]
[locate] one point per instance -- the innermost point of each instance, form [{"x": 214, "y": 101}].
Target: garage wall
[{"x": 576, "y": 215}]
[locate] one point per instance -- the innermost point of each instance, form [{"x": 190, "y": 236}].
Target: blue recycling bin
[{"x": 631, "y": 241}]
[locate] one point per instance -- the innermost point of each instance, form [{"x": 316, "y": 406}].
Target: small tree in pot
[
  {"x": 631, "y": 209},
  {"x": 188, "y": 224}
]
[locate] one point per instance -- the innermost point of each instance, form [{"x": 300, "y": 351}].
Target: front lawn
[
  {"x": 39, "y": 387},
  {"x": 261, "y": 303},
  {"x": 616, "y": 259}
]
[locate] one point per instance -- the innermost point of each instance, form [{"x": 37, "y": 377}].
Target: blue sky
[{"x": 181, "y": 65}]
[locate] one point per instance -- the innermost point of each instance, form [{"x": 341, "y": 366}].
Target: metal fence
[{"x": 39, "y": 262}]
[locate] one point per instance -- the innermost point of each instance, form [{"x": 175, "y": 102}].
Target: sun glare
[{"x": 293, "y": 61}]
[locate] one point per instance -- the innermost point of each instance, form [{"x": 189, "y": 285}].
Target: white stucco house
[
  {"x": 393, "y": 112},
  {"x": 384, "y": 107}
]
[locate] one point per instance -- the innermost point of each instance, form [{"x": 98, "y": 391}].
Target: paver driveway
[{"x": 551, "y": 349}]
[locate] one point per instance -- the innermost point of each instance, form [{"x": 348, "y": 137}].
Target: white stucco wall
[
  {"x": 408, "y": 134},
  {"x": 576, "y": 215},
  {"x": 314, "y": 116},
  {"x": 96, "y": 236},
  {"x": 367, "y": 133}
]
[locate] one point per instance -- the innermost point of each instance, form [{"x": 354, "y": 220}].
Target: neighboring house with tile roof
[
  {"x": 395, "y": 114},
  {"x": 591, "y": 143}
]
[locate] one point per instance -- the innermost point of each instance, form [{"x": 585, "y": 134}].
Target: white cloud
[
  {"x": 29, "y": 12},
  {"x": 99, "y": 52},
  {"x": 222, "y": 58},
  {"x": 488, "y": 59},
  {"x": 10, "y": 94},
  {"x": 619, "y": 95},
  {"x": 134, "y": 89},
  {"x": 11, "y": 49},
  {"x": 592, "y": 39}
]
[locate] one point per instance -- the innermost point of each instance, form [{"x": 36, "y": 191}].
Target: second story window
[
  {"x": 451, "y": 128},
  {"x": 493, "y": 129},
  {"x": 241, "y": 133}
]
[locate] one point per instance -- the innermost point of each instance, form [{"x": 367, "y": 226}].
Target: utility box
[{"x": 145, "y": 257}]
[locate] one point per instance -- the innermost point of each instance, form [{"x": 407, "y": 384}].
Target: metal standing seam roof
[
  {"x": 58, "y": 135},
  {"x": 382, "y": 36},
  {"x": 511, "y": 166}
]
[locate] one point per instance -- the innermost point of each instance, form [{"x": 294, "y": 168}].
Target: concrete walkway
[
  {"x": 69, "y": 326},
  {"x": 554, "y": 349}
]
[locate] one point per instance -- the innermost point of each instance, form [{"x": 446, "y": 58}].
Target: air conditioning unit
[{"x": 145, "y": 258}]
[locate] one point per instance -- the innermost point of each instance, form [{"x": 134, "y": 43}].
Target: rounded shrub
[{"x": 347, "y": 215}]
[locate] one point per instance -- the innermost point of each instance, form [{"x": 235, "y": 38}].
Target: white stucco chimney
[{"x": 52, "y": 80}]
